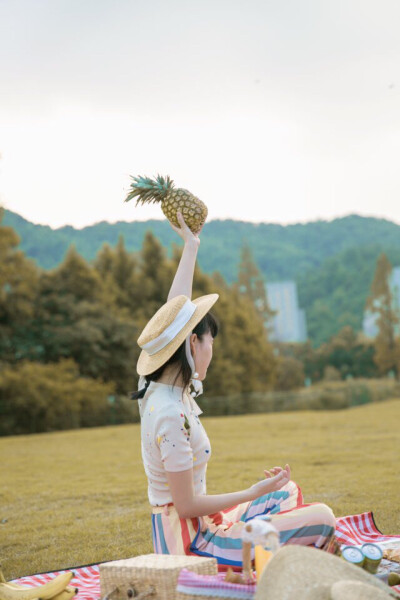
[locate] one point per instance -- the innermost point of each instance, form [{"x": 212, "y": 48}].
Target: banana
[
  {"x": 45, "y": 591},
  {"x": 16, "y": 586},
  {"x": 9, "y": 592},
  {"x": 67, "y": 594}
]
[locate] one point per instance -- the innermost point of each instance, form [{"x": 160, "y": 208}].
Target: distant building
[
  {"x": 289, "y": 323},
  {"x": 370, "y": 327}
]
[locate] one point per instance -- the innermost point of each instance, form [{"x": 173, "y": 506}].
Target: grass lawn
[{"x": 80, "y": 497}]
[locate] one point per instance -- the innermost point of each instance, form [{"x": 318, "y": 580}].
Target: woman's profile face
[{"x": 202, "y": 350}]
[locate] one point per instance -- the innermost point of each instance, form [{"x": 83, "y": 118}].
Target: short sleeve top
[{"x": 173, "y": 439}]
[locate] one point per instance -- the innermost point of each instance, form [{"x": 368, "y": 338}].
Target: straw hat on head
[
  {"x": 169, "y": 328},
  {"x": 310, "y": 574}
]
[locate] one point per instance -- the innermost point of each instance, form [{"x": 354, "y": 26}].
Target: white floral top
[{"x": 173, "y": 439}]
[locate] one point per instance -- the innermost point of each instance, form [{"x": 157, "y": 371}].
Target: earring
[{"x": 195, "y": 375}]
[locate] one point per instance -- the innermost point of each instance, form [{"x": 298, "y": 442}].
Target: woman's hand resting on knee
[{"x": 276, "y": 478}]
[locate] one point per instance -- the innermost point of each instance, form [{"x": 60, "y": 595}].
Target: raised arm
[{"x": 183, "y": 280}]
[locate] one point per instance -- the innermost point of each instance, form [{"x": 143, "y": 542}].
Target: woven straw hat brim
[
  {"x": 294, "y": 570},
  {"x": 147, "y": 364},
  {"x": 319, "y": 591},
  {"x": 356, "y": 590}
]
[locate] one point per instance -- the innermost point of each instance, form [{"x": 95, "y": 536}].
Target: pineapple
[{"x": 161, "y": 189}]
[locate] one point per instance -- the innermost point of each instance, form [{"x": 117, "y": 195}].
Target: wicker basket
[{"x": 151, "y": 575}]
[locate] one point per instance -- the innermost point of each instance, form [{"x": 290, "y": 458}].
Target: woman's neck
[{"x": 169, "y": 376}]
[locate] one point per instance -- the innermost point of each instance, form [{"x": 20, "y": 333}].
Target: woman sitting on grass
[{"x": 177, "y": 346}]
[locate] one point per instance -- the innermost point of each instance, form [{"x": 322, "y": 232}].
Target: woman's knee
[{"x": 325, "y": 515}]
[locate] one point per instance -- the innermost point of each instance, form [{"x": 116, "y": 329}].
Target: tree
[
  {"x": 75, "y": 278},
  {"x": 251, "y": 283},
  {"x": 289, "y": 373},
  {"x": 119, "y": 271},
  {"x": 312, "y": 360},
  {"x": 243, "y": 360},
  {"x": 156, "y": 274},
  {"x": 331, "y": 373},
  {"x": 319, "y": 322},
  {"x": 348, "y": 354},
  {"x": 380, "y": 301},
  {"x": 36, "y": 398},
  {"x": 18, "y": 285}
]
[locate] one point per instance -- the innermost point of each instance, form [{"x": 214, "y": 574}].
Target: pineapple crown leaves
[{"x": 149, "y": 190}]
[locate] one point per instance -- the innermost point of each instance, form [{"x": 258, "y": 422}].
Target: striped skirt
[{"x": 219, "y": 535}]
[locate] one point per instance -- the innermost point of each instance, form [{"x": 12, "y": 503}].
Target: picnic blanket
[{"x": 353, "y": 530}]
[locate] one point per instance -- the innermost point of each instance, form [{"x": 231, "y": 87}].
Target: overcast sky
[{"x": 277, "y": 111}]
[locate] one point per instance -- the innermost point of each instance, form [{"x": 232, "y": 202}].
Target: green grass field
[{"x": 80, "y": 497}]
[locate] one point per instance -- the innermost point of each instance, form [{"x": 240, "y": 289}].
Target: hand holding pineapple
[
  {"x": 161, "y": 189},
  {"x": 185, "y": 233}
]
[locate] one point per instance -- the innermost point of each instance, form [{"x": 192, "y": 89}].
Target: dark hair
[{"x": 208, "y": 324}]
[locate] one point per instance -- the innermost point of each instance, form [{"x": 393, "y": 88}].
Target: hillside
[
  {"x": 332, "y": 262},
  {"x": 280, "y": 251}
]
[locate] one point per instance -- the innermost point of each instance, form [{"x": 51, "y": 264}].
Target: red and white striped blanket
[{"x": 351, "y": 530}]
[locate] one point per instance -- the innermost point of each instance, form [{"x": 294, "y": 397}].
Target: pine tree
[
  {"x": 243, "y": 360},
  {"x": 18, "y": 285},
  {"x": 156, "y": 274},
  {"x": 380, "y": 301},
  {"x": 118, "y": 269},
  {"x": 124, "y": 265},
  {"x": 76, "y": 278},
  {"x": 251, "y": 284},
  {"x": 104, "y": 261}
]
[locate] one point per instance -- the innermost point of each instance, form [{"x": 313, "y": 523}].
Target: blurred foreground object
[
  {"x": 265, "y": 537},
  {"x": 307, "y": 573}
]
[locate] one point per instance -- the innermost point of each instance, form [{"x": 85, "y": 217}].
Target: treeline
[
  {"x": 68, "y": 335},
  {"x": 332, "y": 262}
]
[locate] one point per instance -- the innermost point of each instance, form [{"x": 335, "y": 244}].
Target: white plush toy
[{"x": 258, "y": 531}]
